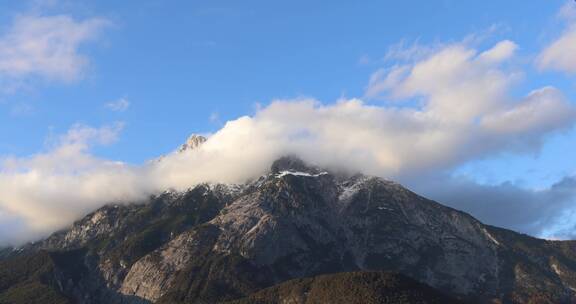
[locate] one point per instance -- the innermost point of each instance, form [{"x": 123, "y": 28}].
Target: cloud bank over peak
[{"x": 449, "y": 107}]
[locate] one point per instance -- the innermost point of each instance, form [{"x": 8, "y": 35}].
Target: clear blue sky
[{"x": 189, "y": 66}]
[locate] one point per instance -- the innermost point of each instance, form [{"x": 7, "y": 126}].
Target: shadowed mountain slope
[{"x": 350, "y": 288}]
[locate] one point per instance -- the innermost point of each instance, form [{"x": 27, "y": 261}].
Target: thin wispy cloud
[
  {"x": 559, "y": 55},
  {"x": 568, "y": 11},
  {"x": 21, "y": 109},
  {"x": 214, "y": 117},
  {"x": 119, "y": 105},
  {"x": 409, "y": 50},
  {"x": 46, "y": 48}
]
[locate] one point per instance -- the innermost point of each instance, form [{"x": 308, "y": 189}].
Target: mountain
[{"x": 298, "y": 231}]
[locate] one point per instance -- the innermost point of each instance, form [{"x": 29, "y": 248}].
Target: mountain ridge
[{"x": 219, "y": 242}]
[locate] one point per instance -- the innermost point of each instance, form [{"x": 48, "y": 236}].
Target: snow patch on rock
[
  {"x": 490, "y": 237},
  {"x": 298, "y": 173}
]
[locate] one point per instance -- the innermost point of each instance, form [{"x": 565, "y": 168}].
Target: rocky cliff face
[{"x": 223, "y": 242}]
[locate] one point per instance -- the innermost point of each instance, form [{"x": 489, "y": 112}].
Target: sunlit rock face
[
  {"x": 217, "y": 242},
  {"x": 193, "y": 142}
]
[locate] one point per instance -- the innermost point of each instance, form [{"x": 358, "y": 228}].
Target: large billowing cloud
[
  {"x": 48, "y": 190},
  {"x": 446, "y": 109}
]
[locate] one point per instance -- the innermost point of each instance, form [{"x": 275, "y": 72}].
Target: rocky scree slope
[{"x": 217, "y": 243}]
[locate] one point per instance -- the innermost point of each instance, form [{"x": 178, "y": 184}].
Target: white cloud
[
  {"x": 46, "y": 47},
  {"x": 413, "y": 50},
  {"x": 464, "y": 113},
  {"x": 88, "y": 136},
  {"x": 500, "y": 52},
  {"x": 456, "y": 82},
  {"x": 544, "y": 108},
  {"x": 407, "y": 51},
  {"x": 382, "y": 80},
  {"x": 47, "y": 191},
  {"x": 119, "y": 105},
  {"x": 559, "y": 54}
]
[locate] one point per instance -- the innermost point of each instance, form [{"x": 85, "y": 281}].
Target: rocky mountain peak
[
  {"x": 292, "y": 163},
  {"x": 193, "y": 142}
]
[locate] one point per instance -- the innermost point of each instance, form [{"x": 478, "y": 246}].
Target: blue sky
[{"x": 166, "y": 69}]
